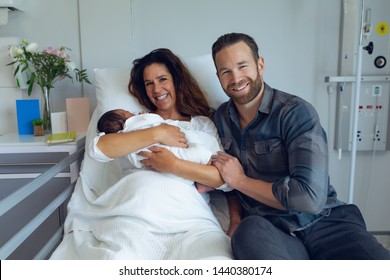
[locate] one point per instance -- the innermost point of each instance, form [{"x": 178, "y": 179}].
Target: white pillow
[
  {"x": 112, "y": 92},
  {"x": 203, "y": 70}
]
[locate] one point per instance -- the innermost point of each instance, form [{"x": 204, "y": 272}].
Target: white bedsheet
[{"x": 110, "y": 217}]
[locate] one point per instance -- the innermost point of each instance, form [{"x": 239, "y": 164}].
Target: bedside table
[{"x": 23, "y": 158}]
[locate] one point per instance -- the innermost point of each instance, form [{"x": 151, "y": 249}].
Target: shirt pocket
[
  {"x": 226, "y": 143},
  {"x": 271, "y": 157}
]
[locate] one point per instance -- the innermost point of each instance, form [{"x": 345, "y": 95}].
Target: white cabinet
[{"x": 23, "y": 158}]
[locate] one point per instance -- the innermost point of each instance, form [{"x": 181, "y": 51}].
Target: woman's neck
[{"x": 172, "y": 115}]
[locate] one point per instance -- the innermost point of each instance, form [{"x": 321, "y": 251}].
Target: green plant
[
  {"x": 46, "y": 67},
  {"x": 38, "y": 122}
]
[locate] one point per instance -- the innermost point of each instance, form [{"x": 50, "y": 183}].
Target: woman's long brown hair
[{"x": 190, "y": 99}]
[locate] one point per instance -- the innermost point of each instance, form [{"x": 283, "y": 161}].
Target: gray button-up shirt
[{"x": 286, "y": 145}]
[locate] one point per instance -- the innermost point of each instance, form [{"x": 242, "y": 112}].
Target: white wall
[
  {"x": 299, "y": 40},
  {"x": 106, "y": 40},
  {"x": 48, "y": 23}
]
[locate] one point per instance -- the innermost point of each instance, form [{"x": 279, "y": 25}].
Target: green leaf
[
  {"x": 38, "y": 122},
  {"x": 16, "y": 70},
  {"x": 29, "y": 89}
]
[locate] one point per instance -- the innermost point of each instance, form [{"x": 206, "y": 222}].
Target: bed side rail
[{"x": 16, "y": 197}]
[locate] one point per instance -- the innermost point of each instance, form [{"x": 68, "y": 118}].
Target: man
[{"x": 277, "y": 161}]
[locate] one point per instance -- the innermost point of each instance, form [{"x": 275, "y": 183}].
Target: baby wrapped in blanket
[{"x": 201, "y": 145}]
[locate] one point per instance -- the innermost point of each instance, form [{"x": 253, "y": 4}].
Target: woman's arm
[
  {"x": 163, "y": 160},
  {"x": 119, "y": 144}
]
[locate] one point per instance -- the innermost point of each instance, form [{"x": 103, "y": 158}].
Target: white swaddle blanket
[{"x": 201, "y": 145}]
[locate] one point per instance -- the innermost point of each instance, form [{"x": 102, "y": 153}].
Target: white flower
[
  {"x": 70, "y": 65},
  {"x": 46, "y": 67},
  {"x": 15, "y": 51},
  {"x": 32, "y": 47}
]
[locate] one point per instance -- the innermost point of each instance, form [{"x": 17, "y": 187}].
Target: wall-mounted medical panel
[{"x": 373, "y": 106}]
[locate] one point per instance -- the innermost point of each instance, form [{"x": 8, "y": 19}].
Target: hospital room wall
[
  {"x": 48, "y": 23},
  {"x": 299, "y": 40}
]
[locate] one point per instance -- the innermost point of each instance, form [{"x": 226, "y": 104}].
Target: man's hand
[{"x": 229, "y": 167}]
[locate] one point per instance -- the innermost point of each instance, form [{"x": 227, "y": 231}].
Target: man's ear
[{"x": 260, "y": 65}]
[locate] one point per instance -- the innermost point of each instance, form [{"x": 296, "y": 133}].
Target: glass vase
[{"x": 46, "y": 114}]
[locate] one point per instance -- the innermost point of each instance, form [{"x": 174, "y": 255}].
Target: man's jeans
[{"x": 340, "y": 236}]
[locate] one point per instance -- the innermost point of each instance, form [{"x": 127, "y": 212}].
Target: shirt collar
[{"x": 266, "y": 102}]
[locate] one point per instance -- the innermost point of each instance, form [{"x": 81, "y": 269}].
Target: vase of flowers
[{"x": 44, "y": 68}]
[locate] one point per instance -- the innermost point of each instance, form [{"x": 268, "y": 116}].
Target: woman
[
  {"x": 162, "y": 84},
  {"x": 146, "y": 214}
]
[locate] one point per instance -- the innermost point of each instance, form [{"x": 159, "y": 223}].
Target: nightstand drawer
[{"x": 19, "y": 163}]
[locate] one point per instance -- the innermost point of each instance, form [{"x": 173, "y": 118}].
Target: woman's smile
[{"x": 162, "y": 97}]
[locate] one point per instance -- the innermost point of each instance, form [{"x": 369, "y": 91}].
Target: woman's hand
[
  {"x": 162, "y": 160},
  {"x": 159, "y": 159},
  {"x": 170, "y": 135}
]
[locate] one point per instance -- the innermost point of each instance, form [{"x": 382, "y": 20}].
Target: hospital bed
[{"x": 111, "y": 92}]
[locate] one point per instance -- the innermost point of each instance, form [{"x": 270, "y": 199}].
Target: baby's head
[{"x": 113, "y": 121}]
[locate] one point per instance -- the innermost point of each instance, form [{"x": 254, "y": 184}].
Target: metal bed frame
[{"x": 18, "y": 196}]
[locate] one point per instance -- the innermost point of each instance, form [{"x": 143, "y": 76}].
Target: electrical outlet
[{"x": 376, "y": 90}]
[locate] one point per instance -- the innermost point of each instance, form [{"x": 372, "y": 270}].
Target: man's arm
[
  {"x": 305, "y": 188},
  {"x": 234, "y": 175}
]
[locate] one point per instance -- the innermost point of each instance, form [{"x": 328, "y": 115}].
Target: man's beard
[{"x": 255, "y": 88}]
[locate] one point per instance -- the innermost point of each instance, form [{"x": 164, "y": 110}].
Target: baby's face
[{"x": 124, "y": 113}]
